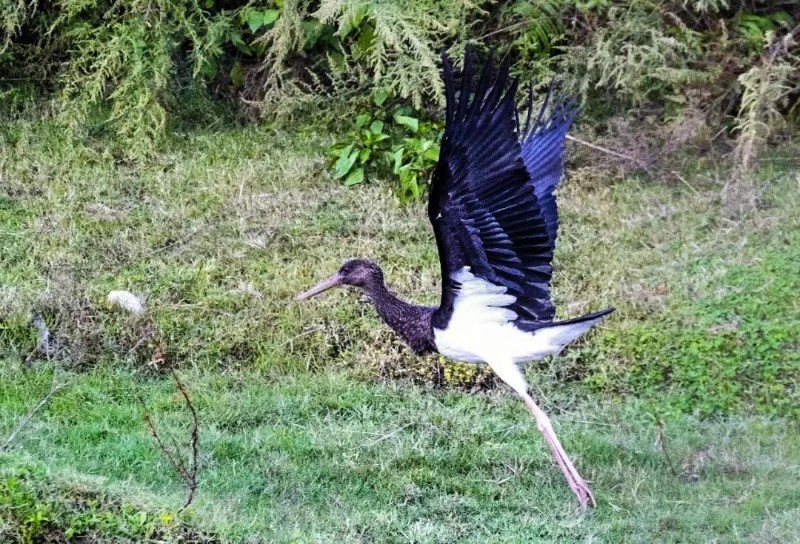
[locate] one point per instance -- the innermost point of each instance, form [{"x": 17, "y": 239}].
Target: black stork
[{"x": 495, "y": 220}]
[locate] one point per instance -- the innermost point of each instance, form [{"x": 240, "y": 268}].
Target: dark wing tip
[{"x": 562, "y": 113}]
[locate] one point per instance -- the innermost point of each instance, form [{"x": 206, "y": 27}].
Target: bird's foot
[
  {"x": 578, "y": 485},
  {"x": 585, "y": 495}
]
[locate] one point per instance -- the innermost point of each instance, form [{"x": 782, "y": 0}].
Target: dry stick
[
  {"x": 146, "y": 336},
  {"x": 192, "y": 484},
  {"x": 683, "y": 180},
  {"x": 189, "y": 476},
  {"x": 515, "y": 26},
  {"x": 662, "y": 441},
  {"x": 780, "y": 46},
  {"x": 175, "y": 243},
  {"x": 390, "y": 434},
  {"x": 177, "y": 464},
  {"x": 617, "y": 154},
  {"x": 54, "y": 388}
]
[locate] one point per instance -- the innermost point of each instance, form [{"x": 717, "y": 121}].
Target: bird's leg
[
  {"x": 576, "y": 483},
  {"x": 437, "y": 374}
]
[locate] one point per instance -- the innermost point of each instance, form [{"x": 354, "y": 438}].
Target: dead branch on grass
[
  {"x": 661, "y": 441},
  {"x": 638, "y": 162},
  {"x": 173, "y": 455},
  {"x": 55, "y": 387}
]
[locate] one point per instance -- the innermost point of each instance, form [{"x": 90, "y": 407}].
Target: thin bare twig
[
  {"x": 683, "y": 180},
  {"x": 175, "y": 243},
  {"x": 192, "y": 486},
  {"x": 390, "y": 434},
  {"x": 780, "y": 45},
  {"x": 662, "y": 442},
  {"x": 188, "y": 475},
  {"x": 617, "y": 154},
  {"x": 144, "y": 338},
  {"x": 54, "y": 388},
  {"x": 509, "y": 28}
]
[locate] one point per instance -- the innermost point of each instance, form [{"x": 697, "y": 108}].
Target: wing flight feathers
[
  {"x": 543, "y": 152},
  {"x": 485, "y": 194}
]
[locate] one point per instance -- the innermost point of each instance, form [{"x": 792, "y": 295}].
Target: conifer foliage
[{"x": 132, "y": 68}]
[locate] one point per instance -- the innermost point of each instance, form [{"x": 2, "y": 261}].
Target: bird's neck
[
  {"x": 411, "y": 322},
  {"x": 392, "y": 310}
]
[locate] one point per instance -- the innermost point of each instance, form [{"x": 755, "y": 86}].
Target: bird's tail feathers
[
  {"x": 588, "y": 317},
  {"x": 560, "y": 333}
]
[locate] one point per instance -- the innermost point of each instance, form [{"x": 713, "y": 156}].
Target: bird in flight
[{"x": 495, "y": 221}]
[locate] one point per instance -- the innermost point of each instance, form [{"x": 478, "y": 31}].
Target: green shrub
[
  {"x": 128, "y": 68},
  {"x": 389, "y": 139}
]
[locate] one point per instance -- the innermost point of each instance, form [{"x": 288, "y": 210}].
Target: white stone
[{"x": 127, "y": 301}]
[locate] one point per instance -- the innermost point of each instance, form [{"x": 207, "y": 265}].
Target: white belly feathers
[{"x": 482, "y": 329}]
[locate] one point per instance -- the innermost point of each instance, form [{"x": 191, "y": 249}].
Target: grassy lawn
[
  {"x": 326, "y": 458},
  {"x": 316, "y": 425}
]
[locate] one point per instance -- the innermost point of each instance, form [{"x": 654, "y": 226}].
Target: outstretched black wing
[
  {"x": 543, "y": 154},
  {"x": 483, "y": 202}
]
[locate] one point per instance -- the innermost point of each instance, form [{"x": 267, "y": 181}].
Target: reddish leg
[{"x": 576, "y": 483}]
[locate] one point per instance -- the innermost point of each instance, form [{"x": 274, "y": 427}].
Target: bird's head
[{"x": 356, "y": 272}]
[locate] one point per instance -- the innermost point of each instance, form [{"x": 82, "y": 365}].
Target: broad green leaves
[
  {"x": 347, "y": 158},
  {"x": 410, "y": 122},
  {"x": 258, "y": 19},
  {"x": 389, "y": 141},
  {"x": 355, "y": 177},
  {"x": 345, "y": 165}
]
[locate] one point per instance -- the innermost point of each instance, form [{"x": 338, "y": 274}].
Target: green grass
[
  {"x": 325, "y": 458},
  {"x": 316, "y": 424},
  {"x": 34, "y": 508},
  {"x": 222, "y": 231}
]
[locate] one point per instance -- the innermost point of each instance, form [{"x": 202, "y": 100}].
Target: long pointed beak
[{"x": 324, "y": 285}]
